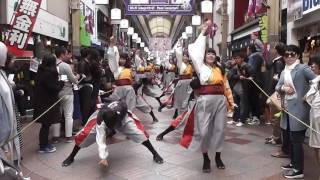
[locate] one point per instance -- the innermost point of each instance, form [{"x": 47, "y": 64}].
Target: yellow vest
[
  {"x": 188, "y": 70},
  {"x": 216, "y": 77},
  {"x": 126, "y": 73}
]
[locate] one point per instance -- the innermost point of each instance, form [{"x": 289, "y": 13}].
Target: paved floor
[{"x": 245, "y": 155}]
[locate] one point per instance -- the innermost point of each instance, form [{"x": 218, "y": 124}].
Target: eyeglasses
[{"x": 290, "y": 54}]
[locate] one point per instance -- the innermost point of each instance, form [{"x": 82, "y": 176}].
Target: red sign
[{"x": 21, "y": 29}]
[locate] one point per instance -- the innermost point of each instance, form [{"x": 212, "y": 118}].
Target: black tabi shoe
[
  {"x": 159, "y": 137},
  {"x": 155, "y": 120},
  {"x": 294, "y": 174},
  {"x": 67, "y": 162},
  {"x": 206, "y": 168},
  {"x": 161, "y": 107},
  {"x": 220, "y": 164},
  {"x": 158, "y": 159}
]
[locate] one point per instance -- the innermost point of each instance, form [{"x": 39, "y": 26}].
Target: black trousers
[
  {"x": 244, "y": 106},
  {"x": 44, "y": 135},
  {"x": 254, "y": 100},
  {"x": 85, "y": 102},
  {"x": 293, "y": 143},
  {"x": 285, "y": 137}
]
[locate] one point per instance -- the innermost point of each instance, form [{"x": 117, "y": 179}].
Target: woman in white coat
[{"x": 313, "y": 98}]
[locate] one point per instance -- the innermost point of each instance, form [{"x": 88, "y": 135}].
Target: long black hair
[
  {"x": 48, "y": 64},
  {"x": 125, "y": 56}
]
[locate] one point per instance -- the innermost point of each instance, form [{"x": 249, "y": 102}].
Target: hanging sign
[
  {"x": 263, "y": 24},
  {"x": 21, "y": 29},
  {"x": 160, "y": 7}
]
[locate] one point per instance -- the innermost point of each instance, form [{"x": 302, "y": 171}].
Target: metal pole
[{"x": 225, "y": 23}]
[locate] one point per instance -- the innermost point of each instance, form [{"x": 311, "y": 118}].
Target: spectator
[
  {"x": 257, "y": 42},
  {"x": 239, "y": 75},
  {"x": 313, "y": 98},
  {"x": 65, "y": 74},
  {"x": 276, "y": 66},
  {"x": 256, "y": 61},
  {"x": 47, "y": 88},
  {"x": 293, "y": 86},
  {"x": 97, "y": 73},
  {"x": 85, "y": 86}
]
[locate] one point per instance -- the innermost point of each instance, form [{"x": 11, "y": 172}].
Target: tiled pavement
[{"x": 245, "y": 155}]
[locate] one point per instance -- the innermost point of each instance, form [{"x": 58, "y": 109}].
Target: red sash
[
  {"x": 211, "y": 89},
  {"x": 182, "y": 77},
  {"x": 123, "y": 82}
]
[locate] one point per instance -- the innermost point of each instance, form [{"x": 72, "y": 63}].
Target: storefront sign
[
  {"x": 159, "y": 7},
  {"x": 263, "y": 24},
  {"x": 294, "y": 10},
  {"x": 51, "y": 26},
  {"x": 310, "y": 6},
  {"x": 22, "y": 26}
]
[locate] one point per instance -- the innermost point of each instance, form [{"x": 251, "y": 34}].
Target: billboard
[{"x": 160, "y": 7}]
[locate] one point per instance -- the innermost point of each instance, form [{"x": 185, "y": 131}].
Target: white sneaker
[
  {"x": 239, "y": 124},
  {"x": 249, "y": 120},
  {"x": 254, "y": 122},
  {"x": 255, "y": 118},
  {"x": 231, "y": 122},
  {"x": 230, "y": 114}
]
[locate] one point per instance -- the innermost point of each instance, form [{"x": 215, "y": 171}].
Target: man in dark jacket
[
  {"x": 255, "y": 60},
  {"x": 240, "y": 75}
]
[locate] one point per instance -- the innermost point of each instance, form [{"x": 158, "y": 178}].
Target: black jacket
[{"x": 46, "y": 92}]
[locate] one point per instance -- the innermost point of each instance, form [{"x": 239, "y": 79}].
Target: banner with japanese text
[
  {"x": 159, "y": 7},
  {"x": 21, "y": 29}
]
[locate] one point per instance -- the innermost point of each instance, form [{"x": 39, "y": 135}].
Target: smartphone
[
  {"x": 63, "y": 78},
  {"x": 11, "y": 77}
]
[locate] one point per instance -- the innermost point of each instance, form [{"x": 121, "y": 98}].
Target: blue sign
[
  {"x": 159, "y": 7},
  {"x": 310, "y": 5}
]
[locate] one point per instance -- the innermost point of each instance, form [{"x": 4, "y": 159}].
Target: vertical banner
[
  {"x": 263, "y": 24},
  {"x": 21, "y": 29},
  {"x": 86, "y": 24}
]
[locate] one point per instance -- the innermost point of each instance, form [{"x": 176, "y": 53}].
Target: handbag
[{"x": 274, "y": 101}]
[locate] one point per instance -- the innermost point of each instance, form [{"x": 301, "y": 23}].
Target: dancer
[
  {"x": 145, "y": 75},
  {"x": 206, "y": 130},
  {"x": 182, "y": 90},
  {"x": 181, "y": 120},
  {"x": 112, "y": 116},
  {"x": 121, "y": 68}
]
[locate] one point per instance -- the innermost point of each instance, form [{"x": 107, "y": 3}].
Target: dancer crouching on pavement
[
  {"x": 206, "y": 130},
  {"x": 112, "y": 116}
]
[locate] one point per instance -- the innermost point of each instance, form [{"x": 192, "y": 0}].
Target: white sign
[
  {"x": 11, "y": 4},
  {"x": 52, "y": 26},
  {"x": 310, "y": 6},
  {"x": 34, "y": 64},
  {"x": 139, "y": 1},
  {"x": 102, "y": 2},
  {"x": 284, "y": 4}
]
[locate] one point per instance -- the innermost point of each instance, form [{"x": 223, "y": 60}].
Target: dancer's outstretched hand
[{"x": 104, "y": 163}]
